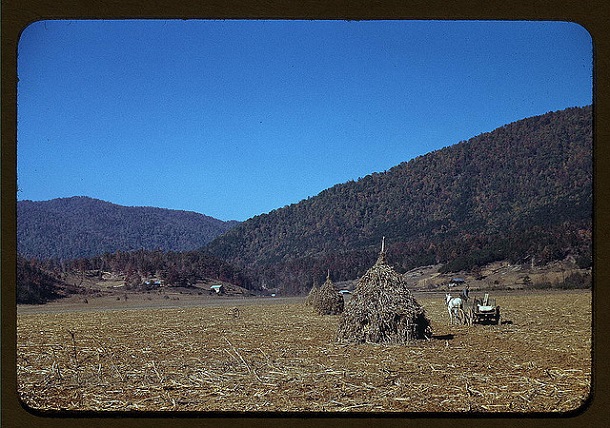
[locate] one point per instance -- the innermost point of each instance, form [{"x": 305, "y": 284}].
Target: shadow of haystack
[
  {"x": 328, "y": 300},
  {"x": 383, "y": 310}
]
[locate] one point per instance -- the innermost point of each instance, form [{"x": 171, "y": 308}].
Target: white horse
[{"x": 455, "y": 307}]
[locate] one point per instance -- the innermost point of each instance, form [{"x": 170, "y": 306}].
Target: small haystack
[
  {"x": 312, "y": 296},
  {"x": 329, "y": 301},
  {"x": 382, "y": 309}
]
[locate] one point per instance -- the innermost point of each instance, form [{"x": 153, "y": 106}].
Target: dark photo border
[{"x": 594, "y": 15}]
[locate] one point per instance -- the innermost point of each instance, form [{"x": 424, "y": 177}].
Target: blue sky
[{"x": 236, "y": 118}]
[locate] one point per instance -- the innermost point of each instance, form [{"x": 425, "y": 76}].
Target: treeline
[
  {"x": 177, "y": 269},
  {"x": 521, "y": 191},
  {"x": 78, "y": 227},
  {"x": 464, "y": 254},
  {"x": 37, "y": 286}
]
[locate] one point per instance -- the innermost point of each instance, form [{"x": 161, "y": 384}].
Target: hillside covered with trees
[
  {"x": 519, "y": 192},
  {"x": 173, "y": 269},
  {"x": 76, "y": 227},
  {"x": 36, "y": 285},
  {"x": 522, "y": 193}
]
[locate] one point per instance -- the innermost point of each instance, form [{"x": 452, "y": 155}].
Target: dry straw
[
  {"x": 383, "y": 310},
  {"x": 279, "y": 357},
  {"x": 312, "y": 296},
  {"x": 328, "y": 300}
]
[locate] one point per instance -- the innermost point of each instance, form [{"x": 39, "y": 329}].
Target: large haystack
[
  {"x": 328, "y": 301},
  {"x": 383, "y": 310}
]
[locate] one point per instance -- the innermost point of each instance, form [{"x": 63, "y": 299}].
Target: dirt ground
[{"x": 267, "y": 354}]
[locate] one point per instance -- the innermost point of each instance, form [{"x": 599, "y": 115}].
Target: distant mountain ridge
[
  {"x": 519, "y": 192},
  {"x": 81, "y": 226}
]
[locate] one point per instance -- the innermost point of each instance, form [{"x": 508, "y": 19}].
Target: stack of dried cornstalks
[
  {"x": 328, "y": 300},
  {"x": 383, "y": 310},
  {"x": 312, "y": 296}
]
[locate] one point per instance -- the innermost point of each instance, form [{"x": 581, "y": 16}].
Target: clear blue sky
[{"x": 235, "y": 118}]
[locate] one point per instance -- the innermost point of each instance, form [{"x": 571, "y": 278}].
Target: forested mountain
[
  {"x": 75, "y": 227},
  {"x": 523, "y": 190},
  {"x": 520, "y": 193}
]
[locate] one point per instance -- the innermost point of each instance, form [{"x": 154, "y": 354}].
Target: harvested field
[{"x": 284, "y": 358}]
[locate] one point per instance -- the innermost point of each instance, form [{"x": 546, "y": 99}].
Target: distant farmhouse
[
  {"x": 456, "y": 282},
  {"x": 218, "y": 289}
]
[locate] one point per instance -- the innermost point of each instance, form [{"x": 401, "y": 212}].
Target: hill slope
[
  {"x": 82, "y": 227},
  {"x": 523, "y": 190}
]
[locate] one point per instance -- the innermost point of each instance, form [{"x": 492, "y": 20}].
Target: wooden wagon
[{"x": 484, "y": 311}]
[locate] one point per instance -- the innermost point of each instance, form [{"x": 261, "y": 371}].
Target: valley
[{"x": 275, "y": 355}]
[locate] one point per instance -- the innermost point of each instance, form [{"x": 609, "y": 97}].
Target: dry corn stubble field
[{"x": 283, "y": 358}]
